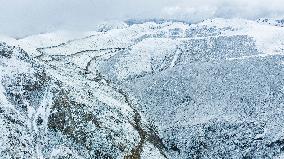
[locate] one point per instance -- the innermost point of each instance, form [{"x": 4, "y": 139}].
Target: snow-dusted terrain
[{"x": 148, "y": 90}]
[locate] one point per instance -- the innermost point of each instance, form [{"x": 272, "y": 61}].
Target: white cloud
[
  {"x": 189, "y": 13},
  {"x": 22, "y": 17},
  {"x": 202, "y": 9}
]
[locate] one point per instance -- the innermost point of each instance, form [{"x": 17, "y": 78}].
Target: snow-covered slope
[
  {"x": 275, "y": 22},
  {"x": 52, "y": 111},
  {"x": 151, "y": 90}
]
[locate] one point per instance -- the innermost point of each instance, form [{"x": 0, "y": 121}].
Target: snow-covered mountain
[{"x": 148, "y": 90}]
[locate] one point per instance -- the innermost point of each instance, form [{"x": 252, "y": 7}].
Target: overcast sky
[{"x": 24, "y": 17}]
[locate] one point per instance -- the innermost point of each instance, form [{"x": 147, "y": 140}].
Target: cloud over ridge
[{"x": 24, "y": 17}]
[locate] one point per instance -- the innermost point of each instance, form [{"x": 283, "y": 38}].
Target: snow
[
  {"x": 31, "y": 43},
  {"x": 208, "y": 79},
  {"x": 3, "y": 100},
  {"x": 150, "y": 151},
  {"x": 269, "y": 39}
]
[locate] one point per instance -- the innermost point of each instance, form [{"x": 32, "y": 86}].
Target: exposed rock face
[{"x": 168, "y": 90}]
